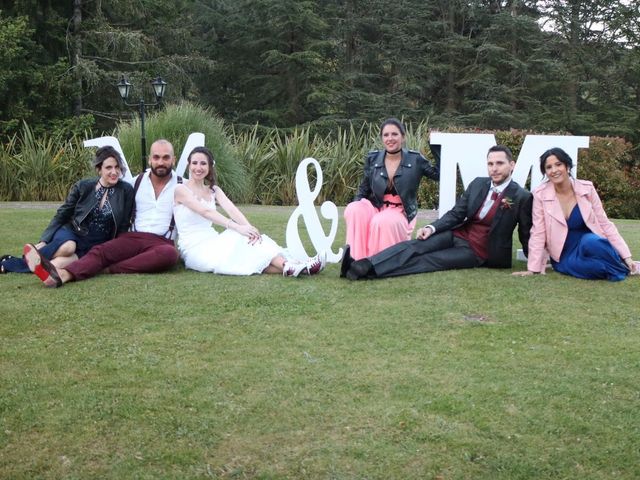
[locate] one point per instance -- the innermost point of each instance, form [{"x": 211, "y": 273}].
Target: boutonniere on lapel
[{"x": 506, "y": 203}]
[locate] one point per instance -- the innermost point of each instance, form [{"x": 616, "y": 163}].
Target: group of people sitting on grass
[{"x": 107, "y": 225}]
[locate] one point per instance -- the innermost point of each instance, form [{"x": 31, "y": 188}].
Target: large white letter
[
  {"x": 468, "y": 151},
  {"x": 536, "y": 145}
]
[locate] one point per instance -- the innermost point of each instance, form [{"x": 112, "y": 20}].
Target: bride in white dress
[{"x": 240, "y": 249}]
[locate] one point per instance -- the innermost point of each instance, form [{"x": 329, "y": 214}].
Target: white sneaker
[
  {"x": 316, "y": 264},
  {"x": 291, "y": 269}
]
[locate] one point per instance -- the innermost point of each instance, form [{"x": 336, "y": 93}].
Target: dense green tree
[
  {"x": 81, "y": 48},
  {"x": 271, "y": 59},
  {"x": 511, "y": 62},
  {"x": 16, "y": 69},
  {"x": 29, "y": 90},
  {"x": 556, "y": 65},
  {"x": 586, "y": 37},
  {"x": 141, "y": 41},
  {"x": 627, "y": 73}
]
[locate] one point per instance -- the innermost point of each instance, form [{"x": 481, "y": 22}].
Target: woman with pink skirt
[{"x": 384, "y": 210}]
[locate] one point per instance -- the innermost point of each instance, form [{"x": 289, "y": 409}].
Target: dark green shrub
[{"x": 607, "y": 163}]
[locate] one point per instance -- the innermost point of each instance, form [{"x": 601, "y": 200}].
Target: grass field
[{"x": 454, "y": 375}]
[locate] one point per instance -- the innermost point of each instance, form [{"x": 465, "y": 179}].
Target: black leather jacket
[
  {"x": 80, "y": 202},
  {"x": 412, "y": 168}
]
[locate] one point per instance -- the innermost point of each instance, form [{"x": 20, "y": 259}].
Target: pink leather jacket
[{"x": 549, "y": 230}]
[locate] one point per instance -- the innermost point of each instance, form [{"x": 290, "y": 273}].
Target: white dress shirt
[
  {"x": 153, "y": 215},
  {"x": 488, "y": 201}
]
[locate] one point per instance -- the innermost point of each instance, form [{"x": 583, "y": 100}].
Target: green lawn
[{"x": 455, "y": 375}]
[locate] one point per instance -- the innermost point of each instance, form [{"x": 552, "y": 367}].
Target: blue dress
[{"x": 587, "y": 255}]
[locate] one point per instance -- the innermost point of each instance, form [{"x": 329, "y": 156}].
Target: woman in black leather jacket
[
  {"x": 384, "y": 210},
  {"x": 96, "y": 210}
]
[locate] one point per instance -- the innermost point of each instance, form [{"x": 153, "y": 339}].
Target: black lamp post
[{"x": 124, "y": 88}]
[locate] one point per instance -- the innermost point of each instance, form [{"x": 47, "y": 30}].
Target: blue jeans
[{"x": 62, "y": 235}]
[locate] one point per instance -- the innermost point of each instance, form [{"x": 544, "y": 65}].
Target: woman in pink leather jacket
[{"x": 571, "y": 227}]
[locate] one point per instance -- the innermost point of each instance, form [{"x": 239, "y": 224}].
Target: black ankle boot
[
  {"x": 360, "y": 269},
  {"x": 346, "y": 261}
]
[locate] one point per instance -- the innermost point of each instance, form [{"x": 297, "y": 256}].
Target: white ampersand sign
[{"x": 307, "y": 210}]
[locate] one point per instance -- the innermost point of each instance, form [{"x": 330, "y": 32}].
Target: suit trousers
[
  {"x": 441, "y": 251},
  {"x": 130, "y": 252}
]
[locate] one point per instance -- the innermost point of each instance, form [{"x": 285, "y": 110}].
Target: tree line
[{"x": 546, "y": 65}]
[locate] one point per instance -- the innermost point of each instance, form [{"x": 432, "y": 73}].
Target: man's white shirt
[
  {"x": 488, "y": 201},
  {"x": 153, "y": 215}
]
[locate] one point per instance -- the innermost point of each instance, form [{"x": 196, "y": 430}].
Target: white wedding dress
[{"x": 228, "y": 253}]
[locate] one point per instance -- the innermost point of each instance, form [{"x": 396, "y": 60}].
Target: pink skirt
[{"x": 370, "y": 230}]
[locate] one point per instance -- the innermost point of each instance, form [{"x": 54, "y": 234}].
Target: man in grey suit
[{"x": 476, "y": 232}]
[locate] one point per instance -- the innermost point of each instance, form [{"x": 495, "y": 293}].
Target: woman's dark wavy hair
[
  {"x": 211, "y": 177},
  {"x": 393, "y": 121},
  {"x": 560, "y": 155},
  {"x": 107, "y": 152}
]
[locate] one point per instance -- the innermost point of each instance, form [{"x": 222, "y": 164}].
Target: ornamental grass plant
[
  {"x": 470, "y": 374},
  {"x": 341, "y": 157},
  {"x": 175, "y": 123},
  {"x": 272, "y": 159},
  {"x": 274, "y": 172},
  {"x": 41, "y": 168},
  {"x": 257, "y": 165}
]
